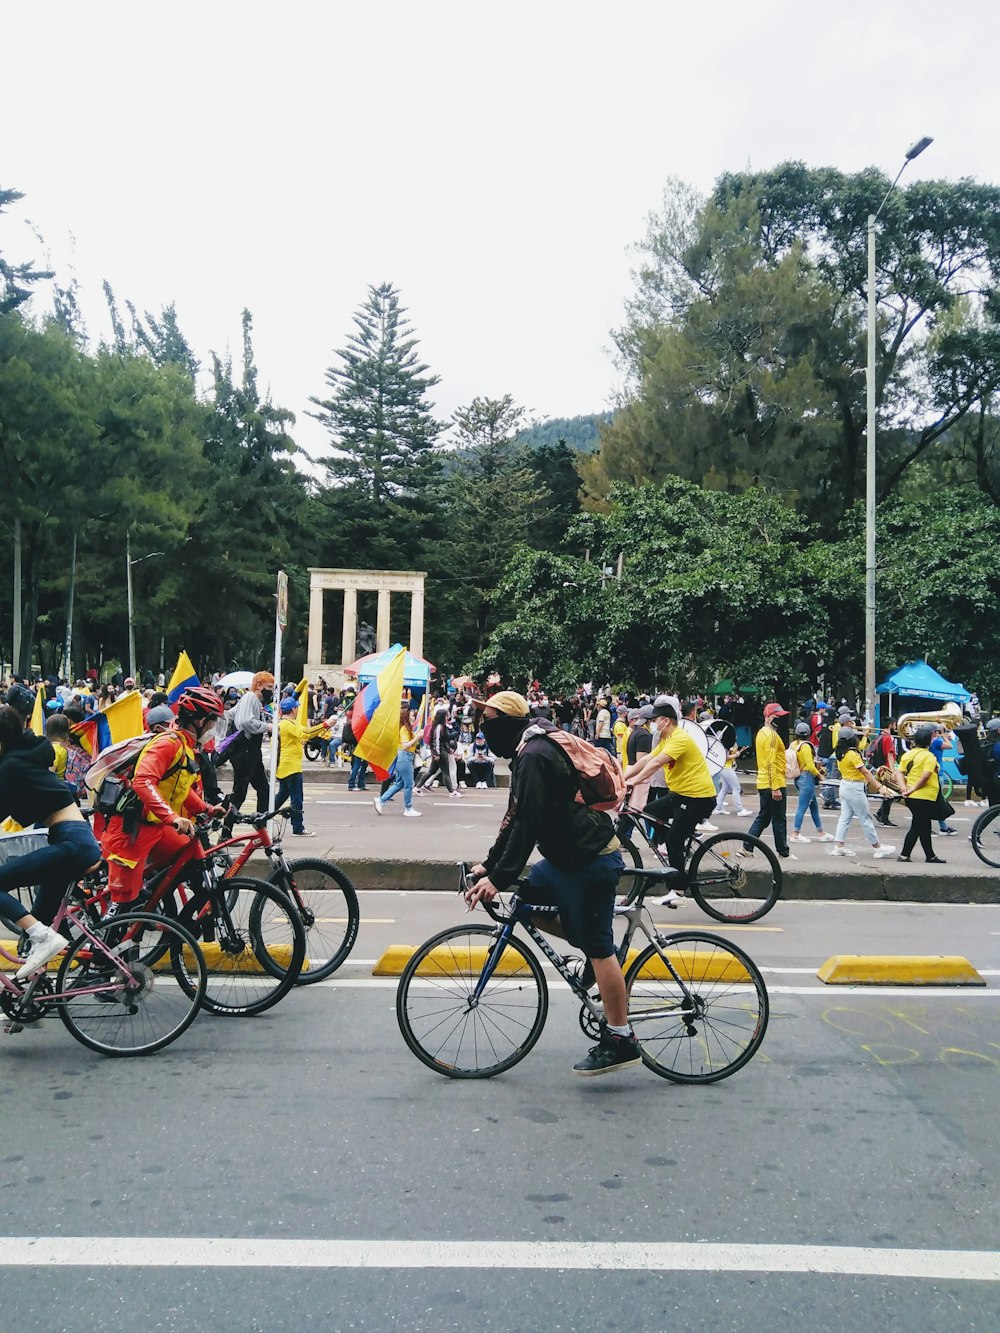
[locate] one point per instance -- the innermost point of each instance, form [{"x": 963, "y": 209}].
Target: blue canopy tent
[
  {"x": 416, "y": 671},
  {"x": 923, "y": 688}
]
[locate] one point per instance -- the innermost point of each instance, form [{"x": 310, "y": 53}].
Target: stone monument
[{"x": 384, "y": 582}]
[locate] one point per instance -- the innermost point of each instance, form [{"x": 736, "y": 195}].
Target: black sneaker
[{"x": 612, "y": 1052}]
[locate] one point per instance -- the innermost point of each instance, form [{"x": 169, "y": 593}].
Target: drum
[{"x": 710, "y": 745}]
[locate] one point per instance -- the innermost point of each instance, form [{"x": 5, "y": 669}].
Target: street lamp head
[{"x": 917, "y": 148}]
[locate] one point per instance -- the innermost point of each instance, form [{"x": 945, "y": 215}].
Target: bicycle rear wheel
[
  {"x": 734, "y": 877},
  {"x": 716, "y": 1027},
  {"x": 628, "y": 885},
  {"x": 986, "y": 837},
  {"x": 134, "y": 1008},
  {"x": 328, "y": 905},
  {"x": 451, "y": 1032},
  {"x": 253, "y": 942}
]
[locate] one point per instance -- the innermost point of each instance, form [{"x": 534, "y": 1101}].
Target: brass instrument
[{"x": 948, "y": 715}]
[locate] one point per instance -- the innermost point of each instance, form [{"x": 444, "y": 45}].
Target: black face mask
[
  {"x": 266, "y": 696},
  {"x": 503, "y": 733}
]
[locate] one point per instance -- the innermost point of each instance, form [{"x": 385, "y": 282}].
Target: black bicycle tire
[
  {"x": 979, "y": 827},
  {"x": 308, "y": 976},
  {"x": 195, "y": 994},
  {"x": 487, "y": 933},
  {"x": 677, "y": 940},
  {"x": 629, "y": 885},
  {"x": 759, "y": 849},
  {"x": 284, "y": 978}
]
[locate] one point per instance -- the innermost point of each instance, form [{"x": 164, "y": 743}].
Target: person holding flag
[
  {"x": 293, "y": 732},
  {"x": 409, "y": 739},
  {"x": 375, "y": 718}
]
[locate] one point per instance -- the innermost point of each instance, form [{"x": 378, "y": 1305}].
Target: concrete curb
[
  {"x": 855, "y": 884},
  {"x": 899, "y": 970}
]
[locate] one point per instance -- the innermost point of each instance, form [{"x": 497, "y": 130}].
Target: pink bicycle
[{"x": 127, "y": 986}]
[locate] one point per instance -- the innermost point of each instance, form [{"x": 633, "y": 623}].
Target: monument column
[
  {"x": 315, "y": 650},
  {"x": 417, "y": 621},
  {"x": 349, "y": 642},
  {"x": 382, "y": 621}
]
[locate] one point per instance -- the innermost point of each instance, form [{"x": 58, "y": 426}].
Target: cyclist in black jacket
[{"x": 579, "y": 871}]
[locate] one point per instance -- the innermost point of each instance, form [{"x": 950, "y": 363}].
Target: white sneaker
[
  {"x": 743, "y": 814},
  {"x": 827, "y": 837},
  {"x": 841, "y": 851},
  {"x": 884, "y": 851},
  {"x": 970, "y": 802},
  {"x": 377, "y": 803},
  {"x": 706, "y": 827},
  {"x": 799, "y": 837},
  {"x": 43, "y": 947},
  {"x": 671, "y": 899},
  {"x": 717, "y": 811},
  {"x": 455, "y": 794},
  {"x": 412, "y": 814}
]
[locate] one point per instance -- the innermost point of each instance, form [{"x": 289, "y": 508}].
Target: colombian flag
[
  {"x": 184, "y": 678},
  {"x": 118, "y": 722},
  {"x": 375, "y": 717}
]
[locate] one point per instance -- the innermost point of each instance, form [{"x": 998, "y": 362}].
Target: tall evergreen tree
[
  {"x": 15, "y": 279},
  {"x": 383, "y": 468}
]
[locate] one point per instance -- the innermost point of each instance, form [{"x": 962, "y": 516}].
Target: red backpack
[{"x": 600, "y": 782}]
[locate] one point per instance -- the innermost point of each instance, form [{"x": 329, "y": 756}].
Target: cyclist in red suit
[{"x": 166, "y": 785}]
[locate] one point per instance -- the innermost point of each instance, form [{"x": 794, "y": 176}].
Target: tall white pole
[
  {"x": 870, "y": 487},
  {"x": 128, "y": 584}
]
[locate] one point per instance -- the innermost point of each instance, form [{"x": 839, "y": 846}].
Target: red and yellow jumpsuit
[{"x": 166, "y": 781}]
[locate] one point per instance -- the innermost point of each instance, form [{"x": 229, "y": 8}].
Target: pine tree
[
  {"x": 15, "y": 279},
  {"x": 383, "y": 469}
]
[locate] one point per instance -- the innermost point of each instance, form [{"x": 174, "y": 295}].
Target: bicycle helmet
[
  {"x": 198, "y": 703},
  {"x": 21, "y": 699}
]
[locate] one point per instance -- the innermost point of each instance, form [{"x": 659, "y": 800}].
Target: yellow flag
[
  {"x": 375, "y": 717},
  {"x": 37, "y": 722}
]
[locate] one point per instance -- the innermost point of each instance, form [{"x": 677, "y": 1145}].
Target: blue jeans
[
  {"x": 290, "y": 788},
  {"x": 585, "y": 898},
  {"x": 403, "y": 780},
  {"x": 71, "y": 850},
  {"x": 356, "y": 777},
  {"x": 806, "y": 784}
]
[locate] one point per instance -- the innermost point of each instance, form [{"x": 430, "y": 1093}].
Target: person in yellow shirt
[
  {"x": 690, "y": 790},
  {"x": 292, "y": 736},
  {"x": 403, "y": 773},
  {"x": 854, "y": 780},
  {"x": 620, "y": 730},
  {"x": 919, "y": 771},
  {"x": 771, "y": 780}
]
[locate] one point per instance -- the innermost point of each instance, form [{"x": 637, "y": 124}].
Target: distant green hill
[{"x": 580, "y": 433}]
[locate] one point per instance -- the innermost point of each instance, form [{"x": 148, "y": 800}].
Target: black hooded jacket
[{"x": 29, "y": 790}]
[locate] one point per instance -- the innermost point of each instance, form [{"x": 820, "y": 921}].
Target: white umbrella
[{"x": 239, "y": 680}]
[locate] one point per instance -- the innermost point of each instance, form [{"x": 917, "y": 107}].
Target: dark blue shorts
[{"x": 585, "y": 898}]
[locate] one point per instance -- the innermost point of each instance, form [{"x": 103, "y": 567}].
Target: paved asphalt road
[{"x": 867, "y": 1121}]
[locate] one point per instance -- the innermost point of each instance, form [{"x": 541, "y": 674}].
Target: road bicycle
[
  {"x": 126, "y": 986},
  {"x": 252, "y": 936},
  {"x": 319, "y": 890},
  {"x": 985, "y": 836},
  {"x": 732, "y": 877},
  {"x": 473, "y": 999}
]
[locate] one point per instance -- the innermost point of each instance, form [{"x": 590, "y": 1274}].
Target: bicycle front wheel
[
  {"x": 254, "y": 944},
  {"x": 704, "y": 1016},
  {"x": 328, "y": 906},
  {"x": 986, "y": 837},
  {"x": 734, "y": 877},
  {"x": 118, "y": 1004},
  {"x": 447, "y": 1028}
]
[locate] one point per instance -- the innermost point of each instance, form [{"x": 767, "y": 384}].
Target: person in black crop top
[{"x": 32, "y": 794}]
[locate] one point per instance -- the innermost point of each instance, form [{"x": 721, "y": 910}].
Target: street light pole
[
  {"x": 129, "y": 562},
  {"x": 913, "y": 151}
]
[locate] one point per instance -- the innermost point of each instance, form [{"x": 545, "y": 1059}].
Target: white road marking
[
  {"x": 102, "y": 1252},
  {"x": 829, "y": 993}
]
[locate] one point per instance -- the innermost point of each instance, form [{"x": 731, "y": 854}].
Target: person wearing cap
[
  {"x": 806, "y": 782},
  {"x": 691, "y": 795},
  {"x": 854, "y": 780},
  {"x": 939, "y": 743},
  {"x": 771, "y": 780},
  {"x": 919, "y": 770},
  {"x": 292, "y": 736},
  {"x": 580, "y": 867},
  {"x": 245, "y": 753}
]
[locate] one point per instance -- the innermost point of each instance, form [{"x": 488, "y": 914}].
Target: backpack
[
  {"x": 792, "y": 767},
  {"x": 109, "y": 777},
  {"x": 600, "y": 783},
  {"x": 874, "y": 754}
]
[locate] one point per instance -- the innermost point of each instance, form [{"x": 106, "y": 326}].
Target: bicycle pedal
[{"x": 13, "y": 1027}]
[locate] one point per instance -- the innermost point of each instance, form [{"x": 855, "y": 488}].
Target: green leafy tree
[{"x": 383, "y": 471}]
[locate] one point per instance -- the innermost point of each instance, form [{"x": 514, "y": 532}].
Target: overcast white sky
[{"x": 494, "y": 161}]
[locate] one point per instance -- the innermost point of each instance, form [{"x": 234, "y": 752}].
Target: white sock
[{"x": 625, "y": 1031}]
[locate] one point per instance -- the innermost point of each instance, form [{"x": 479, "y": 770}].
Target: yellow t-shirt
[
  {"x": 770, "y": 760},
  {"x": 689, "y": 775},
  {"x": 292, "y": 736},
  {"x": 851, "y": 765},
  {"x": 621, "y": 731},
  {"x": 913, "y": 765}
]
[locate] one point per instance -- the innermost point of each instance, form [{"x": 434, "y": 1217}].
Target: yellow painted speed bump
[
  {"x": 469, "y": 961},
  {"x": 899, "y": 970},
  {"x": 215, "y": 959}
]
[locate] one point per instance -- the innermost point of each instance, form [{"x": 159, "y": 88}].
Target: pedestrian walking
[
  {"x": 854, "y": 780},
  {"x": 403, "y": 776},
  {"x": 771, "y": 781},
  {"x": 921, "y": 787},
  {"x": 250, "y": 720},
  {"x": 805, "y": 783},
  {"x": 292, "y": 736}
]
